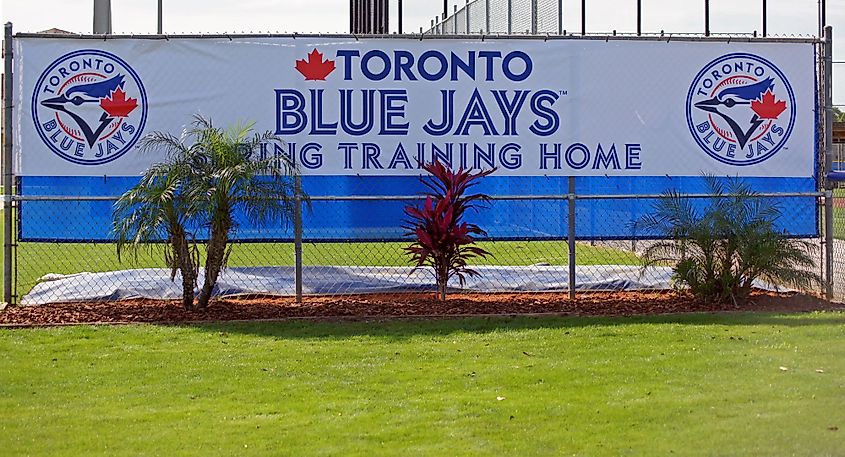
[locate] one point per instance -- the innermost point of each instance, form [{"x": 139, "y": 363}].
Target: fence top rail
[
  {"x": 667, "y": 37},
  {"x": 575, "y": 196}
]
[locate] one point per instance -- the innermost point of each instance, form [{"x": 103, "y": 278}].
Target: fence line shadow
[{"x": 404, "y": 328}]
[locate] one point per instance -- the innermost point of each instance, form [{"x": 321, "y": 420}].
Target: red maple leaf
[
  {"x": 767, "y": 107},
  {"x": 117, "y": 105},
  {"x": 315, "y": 68}
]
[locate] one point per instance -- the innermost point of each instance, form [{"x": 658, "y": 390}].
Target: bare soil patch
[{"x": 398, "y": 305}]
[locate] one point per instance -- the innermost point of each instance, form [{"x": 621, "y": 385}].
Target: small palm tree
[
  {"x": 155, "y": 210},
  {"x": 230, "y": 177},
  {"x": 721, "y": 247}
]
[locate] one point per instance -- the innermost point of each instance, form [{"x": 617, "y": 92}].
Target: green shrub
[{"x": 721, "y": 247}]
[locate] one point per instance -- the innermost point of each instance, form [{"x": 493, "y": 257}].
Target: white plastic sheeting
[{"x": 155, "y": 283}]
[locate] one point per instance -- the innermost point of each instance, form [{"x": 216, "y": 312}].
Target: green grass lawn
[{"x": 653, "y": 386}]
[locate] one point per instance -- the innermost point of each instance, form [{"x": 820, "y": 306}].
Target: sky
[{"x": 785, "y": 17}]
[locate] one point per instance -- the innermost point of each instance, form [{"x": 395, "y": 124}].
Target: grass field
[{"x": 670, "y": 385}]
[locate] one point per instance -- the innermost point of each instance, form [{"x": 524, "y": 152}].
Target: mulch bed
[{"x": 398, "y": 305}]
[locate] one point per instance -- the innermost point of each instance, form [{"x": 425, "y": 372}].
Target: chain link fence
[
  {"x": 838, "y": 249},
  {"x": 504, "y": 16},
  {"x": 342, "y": 262}
]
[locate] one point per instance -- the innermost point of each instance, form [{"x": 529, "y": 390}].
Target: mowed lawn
[{"x": 728, "y": 384}]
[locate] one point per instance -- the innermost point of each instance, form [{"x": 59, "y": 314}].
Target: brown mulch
[{"x": 398, "y": 305}]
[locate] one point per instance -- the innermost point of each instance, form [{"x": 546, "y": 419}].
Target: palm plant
[
  {"x": 721, "y": 247},
  {"x": 231, "y": 177},
  {"x": 155, "y": 209}
]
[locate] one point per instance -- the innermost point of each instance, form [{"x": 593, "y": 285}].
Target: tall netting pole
[
  {"x": 827, "y": 83},
  {"x": 297, "y": 236},
  {"x": 7, "y": 164}
]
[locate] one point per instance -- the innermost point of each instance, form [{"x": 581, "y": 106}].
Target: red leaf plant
[{"x": 443, "y": 240}]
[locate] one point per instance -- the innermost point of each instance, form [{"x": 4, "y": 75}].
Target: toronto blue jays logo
[
  {"x": 740, "y": 109},
  {"x": 89, "y": 107}
]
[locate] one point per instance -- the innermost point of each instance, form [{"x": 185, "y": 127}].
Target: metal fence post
[
  {"x": 560, "y": 17},
  {"x": 466, "y": 17},
  {"x": 571, "y": 237},
  {"x": 583, "y": 17},
  {"x": 7, "y": 163},
  {"x": 533, "y": 17},
  {"x": 639, "y": 17},
  {"x": 297, "y": 236},
  {"x": 486, "y": 16},
  {"x": 510, "y": 17},
  {"x": 827, "y": 83}
]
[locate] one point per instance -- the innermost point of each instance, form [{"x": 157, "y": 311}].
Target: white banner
[{"x": 381, "y": 106}]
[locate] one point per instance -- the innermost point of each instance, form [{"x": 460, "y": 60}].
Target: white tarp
[
  {"x": 155, "y": 283},
  {"x": 378, "y": 106}
]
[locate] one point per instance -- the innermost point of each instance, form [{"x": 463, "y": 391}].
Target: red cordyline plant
[{"x": 443, "y": 240}]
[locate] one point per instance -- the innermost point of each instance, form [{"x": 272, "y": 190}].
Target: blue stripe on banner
[{"x": 382, "y": 220}]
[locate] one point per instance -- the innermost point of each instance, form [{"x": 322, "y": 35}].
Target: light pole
[{"x": 102, "y": 16}]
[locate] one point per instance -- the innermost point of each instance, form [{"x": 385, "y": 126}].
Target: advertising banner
[{"x": 380, "y": 107}]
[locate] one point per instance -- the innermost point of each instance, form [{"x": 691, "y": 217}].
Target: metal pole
[
  {"x": 583, "y": 17},
  {"x": 533, "y": 17},
  {"x": 297, "y": 236},
  {"x": 764, "y": 18},
  {"x": 102, "y": 16},
  {"x": 706, "y": 17},
  {"x": 7, "y": 163},
  {"x": 571, "y": 237},
  {"x": 376, "y": 6},
  {"x": 385, "y": 26},
  {"x": 828, "y": 159},
  {"x": 510, "y": 17},
  {"x": 160, "y": 23},
  {"x": 362, "y": 16},
  {"x": 445, "y": 9},
  {"x": 400, "y": 16},
  {"x": 560, "y": 17},
  {"x": 466, "y": 14},
  {"x": 640, "y": 17},
  {"x": 822, "y": 16},
  {"x": 455, "y": 20},
  {"x": 486, "y": 16},
  {"x": 367, "y": 14}
]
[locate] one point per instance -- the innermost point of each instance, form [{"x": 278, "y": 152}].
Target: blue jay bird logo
[
  {"x": 740, "y": 109},
  {"x": 89, "y": 107}
]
